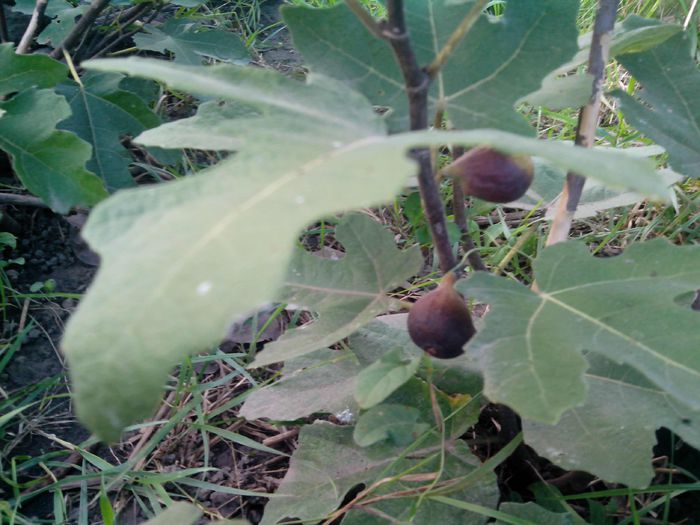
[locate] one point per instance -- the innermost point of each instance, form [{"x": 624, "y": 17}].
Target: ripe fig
[
  {"x": 487, "y": 174},
  {"x": 439, "y": 322}
]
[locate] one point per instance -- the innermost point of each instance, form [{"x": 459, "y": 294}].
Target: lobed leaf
[
  {"x": 614, "y": 440},
  {"x": 192, "y": 42},
  {"x": 101, "y": 115},
  {"x": 347, "y": 293},
  {"x": 498, "y": 62},
  {"x": 621, "y": 307},
  {"x": 327, "y": 464},
  {"x": 50, "y": 163},
  {"x": 20, "y": 72}
]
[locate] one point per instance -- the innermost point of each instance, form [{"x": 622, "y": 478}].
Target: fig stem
[
  {"x": 588, "y": 119},
  {"x": 417, "y": 83},
  {"x": 455, "y": 38}
]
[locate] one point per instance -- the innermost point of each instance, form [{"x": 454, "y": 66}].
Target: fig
[
  {"x": 492, "y": 176},
  {"x": 439, "y": 322}
]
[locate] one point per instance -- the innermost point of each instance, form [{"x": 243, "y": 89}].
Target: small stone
[
  {"x": 33, "y": 334},
  {"x": 39, "y": 253},
  {"x": 12, "y": 274},
  {"x": 52, "y": 262}
]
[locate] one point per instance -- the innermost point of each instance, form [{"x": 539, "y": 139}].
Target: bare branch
[
  {"x": 588, "y": 119},
  {"x": 29, "y": 33}
]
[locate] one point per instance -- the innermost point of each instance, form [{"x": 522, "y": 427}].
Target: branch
[
  {"x": 588, "y": 119},
  {"x": 29, "y": 33},
  {"x": 417, "y": 82},
  {"x": 456, "y": 37},
  {"x": 124, "y": 19},
  {"x": 96, "y": 7}
]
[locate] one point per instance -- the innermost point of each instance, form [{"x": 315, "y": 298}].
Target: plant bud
[
  {"x": 439, "y": 322},
  {"x": 487, "y": 174}
]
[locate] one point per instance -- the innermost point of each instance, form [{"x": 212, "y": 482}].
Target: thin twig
[
  {"x": 456, "y": 37},
  {"x": 29, "y": 33},
  {"x": 92, "y": 12},
  {"x": 124, "y": 20},
  {"x": 131, "y": 33},
  {"x": 588, "y": 119},
  {"x": 417, "y": 82},
  {"x": 365, "y": 17}
]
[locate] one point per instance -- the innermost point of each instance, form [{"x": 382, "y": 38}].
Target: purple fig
[
  {"x": 439, "y": 322},
  {"x": 487, "y": 174}
]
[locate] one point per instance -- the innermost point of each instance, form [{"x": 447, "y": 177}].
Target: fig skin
[
  {"x": 439, "y": 322},
  {"x": 492, "y": 176}
]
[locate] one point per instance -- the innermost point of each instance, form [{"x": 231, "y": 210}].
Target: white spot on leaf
[{"x": 203, "y": 288}]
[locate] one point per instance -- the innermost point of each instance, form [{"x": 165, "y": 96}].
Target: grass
[{"x": 199, "y": 412}]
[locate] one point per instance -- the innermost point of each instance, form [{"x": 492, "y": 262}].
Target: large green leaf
[
  {"x": 497, "y": 63},
  {"x": 21, "y": 72},
  {"x": 621, "y": 307},
  {"x": 208, "y": 249},
  {"x": 614, "y": 440},
  {"x": 327, "y": 464},
  {"x": 101, "y": 115},
  {"x": 50, "y": 163},
  {"x": 181, "y": 261},
  {"x": 191, "y": 42},
  {"x": 347, "y": 293},
  {"x": 668, "y": 108}
]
